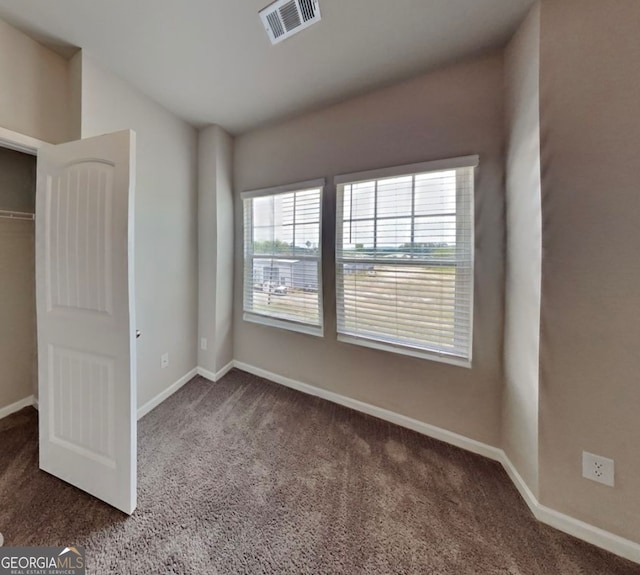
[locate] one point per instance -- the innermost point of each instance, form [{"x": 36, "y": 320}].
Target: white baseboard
[
  {"x": 158, "y": 399},
  {"x": 589, "y": 533},
  {"x": 206, "y": 374},
  {"x": 17, "y": 406},
  {"x": 525, "y": 492},
  {"x": 599, "y": 537},
  {"x": 226, "y": 369},
  {"x": 381, "y": 413},
  {"x": 218, "y": 374}
]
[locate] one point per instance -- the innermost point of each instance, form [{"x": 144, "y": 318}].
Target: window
[
  {"x": 404, "y": 259},
  {"x": 282, "y": 257}
]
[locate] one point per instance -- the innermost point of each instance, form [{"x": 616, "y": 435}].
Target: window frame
[
  {"x": 265, "y": 319},
  {"x": 376, "y": 342}
]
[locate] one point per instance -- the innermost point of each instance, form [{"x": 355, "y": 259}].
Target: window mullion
[
  {"x": 375, "y": 217},
  {"x": 413, "y": 211},
  {"x": 293, "y": 245}
]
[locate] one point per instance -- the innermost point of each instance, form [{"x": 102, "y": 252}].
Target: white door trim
[{"x": 19, "y": 142}]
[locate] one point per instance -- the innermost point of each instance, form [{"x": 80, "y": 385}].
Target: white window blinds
[
  {"x": 282, "y": 257},
  {"x": 404, "y": 259}
]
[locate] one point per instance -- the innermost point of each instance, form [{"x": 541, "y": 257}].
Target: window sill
[
  {"x": 411, "y": 352},
  {"x": 317, "y": 331}
]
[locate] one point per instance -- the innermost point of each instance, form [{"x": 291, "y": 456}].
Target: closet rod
[{"x": 17, "y": 215}]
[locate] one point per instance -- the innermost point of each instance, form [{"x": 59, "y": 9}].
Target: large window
[
  {"x": 282, "y": 257},
  {"x": 404, "y": 259}
]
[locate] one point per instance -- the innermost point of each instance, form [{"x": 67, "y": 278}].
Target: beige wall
[
  {"x": 34, "y": 88},
  {"x": 524, "y": 247},
  {"x": 590, "y": 363},
  {"x": 166, "y": 222},
  {"x": 17, "y": 279},
  {"x": 225, "y": 256},
  {"x": 215, "y": 248},
  {"x": 449, "y": 113}
]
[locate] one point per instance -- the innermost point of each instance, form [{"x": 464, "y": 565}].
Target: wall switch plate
[
  {"x": 203, "y": 343},
  {"x": 597, "y": 468},
  {"x": 164, "y": 360}
]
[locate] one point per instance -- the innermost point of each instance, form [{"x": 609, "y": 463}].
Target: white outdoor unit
[{"x": 284, "y": 18}]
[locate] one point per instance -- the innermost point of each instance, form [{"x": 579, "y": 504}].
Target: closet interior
[{"x": 18, "y": 376}]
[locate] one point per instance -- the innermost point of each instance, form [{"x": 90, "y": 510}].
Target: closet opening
[{"x": 18, "y": 334}]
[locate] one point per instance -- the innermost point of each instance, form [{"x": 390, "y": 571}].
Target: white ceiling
[{"x": 210, "y": 61}]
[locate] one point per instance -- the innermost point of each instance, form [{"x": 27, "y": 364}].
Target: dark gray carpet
[{"x": 245, "y": 476}]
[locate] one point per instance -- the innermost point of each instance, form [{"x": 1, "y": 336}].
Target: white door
[{"x": 86, "y": 321}]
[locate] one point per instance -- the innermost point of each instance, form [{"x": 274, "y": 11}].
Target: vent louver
[
  {"x": 284, "y": 18},
  {"x": 308, "y": 9}
]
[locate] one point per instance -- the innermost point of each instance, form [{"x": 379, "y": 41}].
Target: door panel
[
  {"x": 86, "y": 320},
  {"x": 80, "y": 205}
]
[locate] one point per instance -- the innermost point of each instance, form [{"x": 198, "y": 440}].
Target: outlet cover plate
[
  {"x": 598, "y": 468},
  {"x": 164, "y": 360}
]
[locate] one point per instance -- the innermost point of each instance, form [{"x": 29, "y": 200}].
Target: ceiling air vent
[{"x": 285, "y": 18}]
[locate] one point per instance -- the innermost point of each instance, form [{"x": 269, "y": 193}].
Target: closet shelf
[{"x": 17, "y": 215}]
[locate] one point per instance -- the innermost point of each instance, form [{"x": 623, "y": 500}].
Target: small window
[
  {"x": 283, "y": 256},
  {"x": 404, "y": 259}
]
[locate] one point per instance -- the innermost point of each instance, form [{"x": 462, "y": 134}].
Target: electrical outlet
[
  {"x": 597, "y": 468},
  {"x": 203, "y": 343},
  {"x": 164, "y": 360}
]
